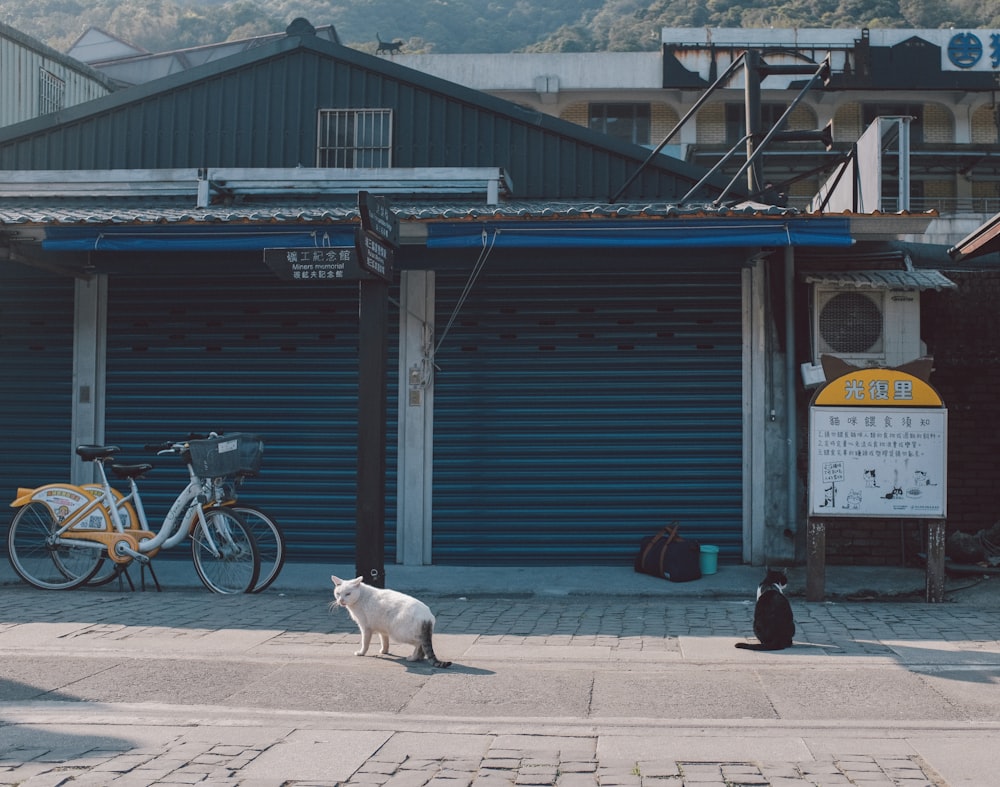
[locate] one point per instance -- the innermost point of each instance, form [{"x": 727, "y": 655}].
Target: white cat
[{"x": 387, "y": 613}]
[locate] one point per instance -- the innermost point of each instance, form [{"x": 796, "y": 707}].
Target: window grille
[
  {"x": 51, "y": 92},
  {"x": 736, "y": 120},
  {"x": 350, "y": 138}
]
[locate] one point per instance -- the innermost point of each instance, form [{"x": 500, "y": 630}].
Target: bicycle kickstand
[
  {"x": 142, "y": 578},
  {"x": 142, "y": 573},
  {"x": 124, "y": 573}
]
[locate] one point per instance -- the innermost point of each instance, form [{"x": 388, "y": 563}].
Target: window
[
  {"x": 354, "y": 138},
  {"x": 629, "y": 122},
  {"x": 51, "y": 92},
  {"x": 736, "y": 120}
]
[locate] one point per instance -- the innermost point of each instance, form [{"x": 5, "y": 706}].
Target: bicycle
[
  {"x": 267, "y": 534},
  {"x": 62, "y": 533},
  {"x": 270, "y": 541}
]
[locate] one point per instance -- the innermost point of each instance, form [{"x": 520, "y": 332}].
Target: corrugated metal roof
[{"x": 923, "y": 279}]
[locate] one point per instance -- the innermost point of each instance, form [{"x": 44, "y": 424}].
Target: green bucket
[{"x": 709, "y": 559}]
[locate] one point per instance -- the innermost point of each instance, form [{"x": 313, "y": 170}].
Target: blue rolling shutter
[
  {"x": 36, "y": 353},
  {"x": 579, "y": 409},
  {"x": 250, "y": 353}
]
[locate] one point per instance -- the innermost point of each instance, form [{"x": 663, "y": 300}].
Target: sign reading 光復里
[{"x": 877, "y": 447}]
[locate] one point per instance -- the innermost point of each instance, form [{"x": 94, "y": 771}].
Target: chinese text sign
[{"x": 877, "y": 462}]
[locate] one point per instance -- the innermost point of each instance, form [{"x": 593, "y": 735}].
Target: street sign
[
  {"x": 878, "y": 388},
  {"x": 374, "y": 255},
  {"x": 377, "y": 217},
  {"x": 315, "y": 264},
  {"x": 378, "y": 236}
]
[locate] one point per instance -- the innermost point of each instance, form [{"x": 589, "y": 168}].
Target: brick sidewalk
[{"x": 47, "y": 741}]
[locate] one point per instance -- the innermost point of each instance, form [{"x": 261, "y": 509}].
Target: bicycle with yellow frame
[{"x": 62, "y": 534}]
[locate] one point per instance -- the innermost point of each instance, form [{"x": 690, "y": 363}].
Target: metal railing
[{"x": 945, "y": 206}]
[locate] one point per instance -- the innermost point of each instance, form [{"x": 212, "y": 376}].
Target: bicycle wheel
[
  {"x": 43, "y": 564},
  {"x": 236, "y": 566},
  {"x": 270, "y": 543}
]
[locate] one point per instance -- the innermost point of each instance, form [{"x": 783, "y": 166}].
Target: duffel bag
[{"x": 668, "y": 555}]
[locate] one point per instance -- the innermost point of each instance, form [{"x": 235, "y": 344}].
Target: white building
[{"x": 37, "y": 80}]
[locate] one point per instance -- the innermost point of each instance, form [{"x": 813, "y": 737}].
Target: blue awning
[
  {"x": 174, "y": 239},
  {"x": 705, "y": 233}
]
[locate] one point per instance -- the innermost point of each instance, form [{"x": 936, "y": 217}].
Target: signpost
[
  {"x": 376, "y": 240},
  {"x": 877, "y": 448},
  {"x": 370, "y": 263}
]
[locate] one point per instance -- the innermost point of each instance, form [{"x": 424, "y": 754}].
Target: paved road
[{"x": 183, "y": 687}]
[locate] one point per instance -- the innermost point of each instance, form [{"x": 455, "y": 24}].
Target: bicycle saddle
[
  {"x": 131, "y": 471},
  {"x": 91, "y": 452}
]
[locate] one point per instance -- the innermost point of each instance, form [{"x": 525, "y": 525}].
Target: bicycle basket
[{"x": 229, "y": 455}]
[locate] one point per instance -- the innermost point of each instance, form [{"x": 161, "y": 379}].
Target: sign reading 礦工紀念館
[
  {"x": 878, "y": 447},
  {"x": 315, "y": 265}
]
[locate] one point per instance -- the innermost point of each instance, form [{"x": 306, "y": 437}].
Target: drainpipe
[{"x": 791, "y": 420}]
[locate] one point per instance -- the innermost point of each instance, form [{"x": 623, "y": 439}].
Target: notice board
[{"x": 878, "y": 447}]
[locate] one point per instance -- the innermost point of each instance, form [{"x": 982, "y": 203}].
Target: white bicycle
[{"x": 63, "y": 534}]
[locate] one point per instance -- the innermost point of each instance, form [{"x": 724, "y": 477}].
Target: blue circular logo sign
[{"x": 964, "y": 50}]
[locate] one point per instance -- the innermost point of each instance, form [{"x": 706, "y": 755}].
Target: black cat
[
  {"x": 392, "y": 47},
  {"x": 773, "y": 622}
]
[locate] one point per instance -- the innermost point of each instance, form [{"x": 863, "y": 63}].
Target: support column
[
  {"x": 90, "y": 314},
  {"x": 415, "y": 454}
]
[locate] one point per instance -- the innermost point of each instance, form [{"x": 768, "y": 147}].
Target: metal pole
[
  {"x": 751, "y": 98},
  {"x": 697, "y": 105},
  {"x": 777, "y": 127},
  {"x": 372, "y": 350},
  {"x": 791, "y": 419}
]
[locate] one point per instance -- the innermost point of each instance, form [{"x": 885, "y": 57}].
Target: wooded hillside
[{"x": 456, "y": 26}]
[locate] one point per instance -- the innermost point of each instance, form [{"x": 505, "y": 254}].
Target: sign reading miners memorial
[
  {"x": 878, "y": 447},
  {"x": 314, "y": 265}
]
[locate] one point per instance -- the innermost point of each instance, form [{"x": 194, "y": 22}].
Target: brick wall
[
  {"x": 984, "y": 125},
  {"x": 873, "y": 542},
  {"x": 962, "y": 331},
  {"x": 939, "y": 123}
]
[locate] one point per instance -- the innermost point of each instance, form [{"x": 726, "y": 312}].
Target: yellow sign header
[{"x": 878, "y": 388}]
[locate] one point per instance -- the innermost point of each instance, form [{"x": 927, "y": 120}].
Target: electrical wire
[{"x": 488, "y": 244}]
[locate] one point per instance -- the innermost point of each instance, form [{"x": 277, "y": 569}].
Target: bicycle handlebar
[
  {"x": 158, "y": 447},
  {"x": 174, "y": 446}
]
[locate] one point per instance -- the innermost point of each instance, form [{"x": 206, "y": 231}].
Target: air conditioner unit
[{"x": 866, "y": 327}]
